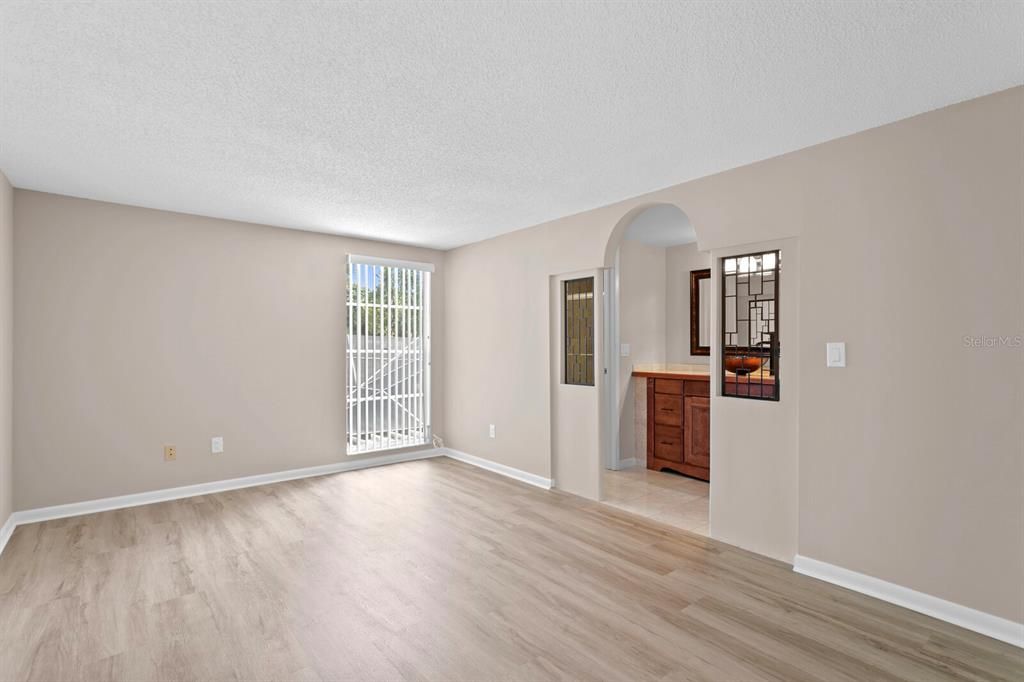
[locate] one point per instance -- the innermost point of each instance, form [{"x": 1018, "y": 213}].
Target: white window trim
[
  {"x": 390, "y": 262},
  {"x": 387, "y": 416}
]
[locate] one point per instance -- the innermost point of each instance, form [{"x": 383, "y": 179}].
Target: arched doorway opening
[{"x": 651, "y": 255}]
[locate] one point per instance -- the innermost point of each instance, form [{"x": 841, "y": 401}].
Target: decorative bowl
[{"x": 743, "y": 364}]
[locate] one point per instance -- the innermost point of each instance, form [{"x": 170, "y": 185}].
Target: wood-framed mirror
[{"x": 700, "y": 312}]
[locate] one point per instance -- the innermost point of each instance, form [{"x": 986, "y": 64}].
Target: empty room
[{"x": 522, "y": 341}]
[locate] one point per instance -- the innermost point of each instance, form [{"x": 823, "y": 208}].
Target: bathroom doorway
[{"x": 658, "y": 397}]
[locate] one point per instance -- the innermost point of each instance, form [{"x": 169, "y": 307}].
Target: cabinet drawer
[
  {"x": 668, "y": 410},
  {"x": 698, "y": 388},
  {"x": 668, "y": 386},
  {"x": 668, "y": 443}
]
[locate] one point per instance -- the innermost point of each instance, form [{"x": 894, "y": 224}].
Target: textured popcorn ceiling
[{"x": 443, "y": 124}]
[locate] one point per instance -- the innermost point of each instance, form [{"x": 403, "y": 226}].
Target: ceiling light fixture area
[{"x": 440, "y": 124}]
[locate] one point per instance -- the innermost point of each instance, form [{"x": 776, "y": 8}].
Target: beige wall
[
  {"x": 754, "y": 443},
  {"x": 910, "y": 459},
  {"x": 137, "y": 328},
  {"x": 642, "y": 325},
  {"x": 6, "y": 347},
  {"x": 680, "y": 260},
  {"x": 497, "y": 303}
]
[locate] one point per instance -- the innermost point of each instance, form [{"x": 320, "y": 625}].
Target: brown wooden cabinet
[
  {"x": 697, "y": 434},
  {"x": 679, "y": 425}
]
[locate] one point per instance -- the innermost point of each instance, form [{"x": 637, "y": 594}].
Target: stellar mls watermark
[{"x": 971, "y": 341}]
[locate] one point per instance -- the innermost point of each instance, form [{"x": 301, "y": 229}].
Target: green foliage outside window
[{"x": 382, "y": 302}]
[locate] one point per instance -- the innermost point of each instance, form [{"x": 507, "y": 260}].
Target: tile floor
[{"x": 670, "y": 498}]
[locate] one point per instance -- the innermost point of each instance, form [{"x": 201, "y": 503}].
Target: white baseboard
[
  {"x": 5, "y": 531},
  {"x": 518, "y": 474},
  {"x": 626, "y": 463},
  {"x": 963, "y": 616},
  {"x": 138, "y": 499},
  {"x": 61, "y": 511}
]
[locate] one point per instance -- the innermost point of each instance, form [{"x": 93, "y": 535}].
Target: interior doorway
[
  {"x": 652, "y": 370},
  {"x": 577, "y": 380}
]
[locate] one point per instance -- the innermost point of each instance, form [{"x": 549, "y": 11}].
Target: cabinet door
[{"x": 697, "y": 432}]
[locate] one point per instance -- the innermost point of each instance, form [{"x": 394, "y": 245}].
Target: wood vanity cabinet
[{"x": 679, "y": 425}]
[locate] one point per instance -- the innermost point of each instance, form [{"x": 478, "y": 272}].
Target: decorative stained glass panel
[
  {"x": 750, "y": 325},
  {"x": 578, "y": 313}
]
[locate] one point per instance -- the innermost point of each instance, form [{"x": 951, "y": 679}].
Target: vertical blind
[{"x": 388, "y": 353}]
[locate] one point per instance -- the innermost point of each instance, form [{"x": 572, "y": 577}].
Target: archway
[{"x": 650, "y": 254}]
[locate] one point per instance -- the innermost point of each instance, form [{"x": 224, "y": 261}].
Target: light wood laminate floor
[{"x": 434, "y": 570}]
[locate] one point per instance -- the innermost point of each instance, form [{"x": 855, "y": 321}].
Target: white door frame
[
  {"x": 609, "y": 372},
  {"x": 612, "y": 455}
]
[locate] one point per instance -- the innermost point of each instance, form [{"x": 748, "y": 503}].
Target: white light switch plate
[
  {"x": 835, "y": 354},
  {"x": 217, "y": 445},
  {"x": 624, "y": 350}
]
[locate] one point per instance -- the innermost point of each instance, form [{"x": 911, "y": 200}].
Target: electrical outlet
[
  {"x": 170, "y": 453},
  {"x": 217, "y": 445},
  {"x": 490, "y": 431}
]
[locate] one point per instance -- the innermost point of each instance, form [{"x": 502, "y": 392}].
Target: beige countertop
[
  {"x": 679, "y": 371},
  {"x": 672, "y": 370}
]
